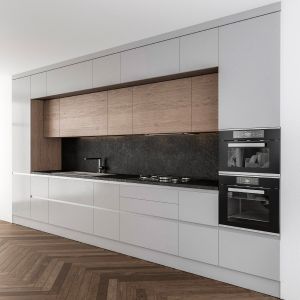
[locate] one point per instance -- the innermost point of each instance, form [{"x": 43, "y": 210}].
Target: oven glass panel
[
  {"x": 252, "y": 155},
  {"x": 243, "y": 206}
]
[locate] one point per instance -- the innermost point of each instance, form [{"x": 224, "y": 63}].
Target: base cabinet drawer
[
  {"x": 149, "y": 232},
  {"x": 39, "y": 186},
  {"x": 106, "y": 223},
  {"x": 39, "y": 209},
  {"x": 198, "y": 243},
  {"x": 71, "y": 216},
  {"x": 249, "y": 252}
]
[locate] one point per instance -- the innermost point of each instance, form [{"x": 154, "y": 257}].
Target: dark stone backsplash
[{"x": 192, "y": 155}]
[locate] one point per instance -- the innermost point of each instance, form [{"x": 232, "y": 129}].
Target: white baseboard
[{"x": 244, "y": 280}]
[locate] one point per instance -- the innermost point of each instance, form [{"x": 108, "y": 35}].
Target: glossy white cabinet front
[{"x": 21, "y": 195}]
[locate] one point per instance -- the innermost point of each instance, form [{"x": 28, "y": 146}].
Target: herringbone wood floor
[{"x": 37, "y": 265}]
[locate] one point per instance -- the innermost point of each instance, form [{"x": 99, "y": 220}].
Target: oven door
[{"x": 248, "y": 207}]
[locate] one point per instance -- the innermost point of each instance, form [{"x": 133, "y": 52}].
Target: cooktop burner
[{"x": 164, "y": 179}]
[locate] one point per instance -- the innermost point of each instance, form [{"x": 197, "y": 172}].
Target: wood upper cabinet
[
  {"x": 84, "y": 115},
  {"x": 163, "y": 107},
  {"x": 199, "y": 50},
  {"x": 249, "y": 73},
  {"x": 120, "y": 111},
  {"x": 51, "y": 118},
  {"x": 205, "y": 103},
  {"x": 150, "y": 61}
]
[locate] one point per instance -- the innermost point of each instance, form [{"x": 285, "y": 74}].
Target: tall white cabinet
[{"x": 249, "y": 73}]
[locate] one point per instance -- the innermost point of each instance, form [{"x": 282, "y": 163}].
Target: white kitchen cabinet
[
  {"x": 70, "y": 78},
  {"x": 71, "y": 190},
  {"x": 199, "y": 207},
  {"x": 249, "y": 252},
  {"x": 21, "y": 125},
  {"x": 249, "y": 73},
  {"x": 107, "y": 70},
  {"x": 106, "y": 223},
  {"x": 149, "y": 232},
  {"x": 149, "y": 61},
  {"x": 199, "y": 242},
  {"x": 199, "y": 50},
  {"x": 38, "y": 201},
  {"x": 152, "y": 193},
  {"x": 151, "y": 208},
  {"x": 106, "y": 195},
  {"x": 21, "y": 195},
  {"x": 71, "y": 216},
  {"x": 39, "y": 85}
]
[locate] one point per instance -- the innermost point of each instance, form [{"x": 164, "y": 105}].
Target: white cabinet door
[
  {"x": 70, "y": 78},
  {"x": 106, "y": 223},
  {"x": 71, "y": 190},
  {"x": 199, "y": 51},
  {"x": 71, "y": 216},
  {"x": 38, "y": 201},
  {"x": 149, "y": 193},
  {"x": 249, "y": 73},
  {"x": 153, "y": 60},
  {"x": 21, "y": 195},
  {"x": 107, "y": 70},
  {"x": 106, "y": 195},
  {"x": 252, "y": 253},
  {"x": 149, "y": 232},
  {"x": 38, "y": 85},
  {"x": 21, "y": 125},
  {"x": 199, "y": 242},
  {"x": 199, "y": 207}
]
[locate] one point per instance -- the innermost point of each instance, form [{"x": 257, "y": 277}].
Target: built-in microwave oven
[
  {"x": 250, "y": 151},
  {"x": 249, "y": 202}
]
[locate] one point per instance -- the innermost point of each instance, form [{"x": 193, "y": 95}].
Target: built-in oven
[
  {"x": 249, "y": 202},
  {"x": 250, "y": 151}
]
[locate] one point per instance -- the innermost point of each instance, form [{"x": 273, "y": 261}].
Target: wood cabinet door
[
  {"x": 163, "y": 107},
  {"x": 120, "y": 111},
  {"x": 51, "y": 118},
  {"x": 205, "y": 103},
  {"x": 84, "y": 115}
]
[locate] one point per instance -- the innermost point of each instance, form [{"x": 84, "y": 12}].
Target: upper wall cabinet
[
  {"x": 84, "y": 115},
  {"x": 249, "y": 73},
  {"x": 38, "y": 85},
  {"x": 70, "y": 78},
  {"x": 21, "y": 124},
  {"x": 51, "y": 118},
  {"x": 107, "y": 70},
  {"x": 199, "y": 51},
  {"x": 153, "y": 60}
]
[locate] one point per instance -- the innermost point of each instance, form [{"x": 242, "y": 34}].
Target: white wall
[
  {"x": 5, "y": 148},
  {"x": 290, "y": 161}
]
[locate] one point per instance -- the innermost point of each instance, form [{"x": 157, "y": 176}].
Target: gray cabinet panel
[
  {"x": 199, "y": 50},
  {"x": 249, "y": 252},
  {"x": 38, "y": 85},
  {"x": 249, "y": 73},
  {"x": 150, "y": 61},
  {"x": 70, "y": 78},
  {"x": 107, "y": 70},
  {"x": 21, "y": 125}
]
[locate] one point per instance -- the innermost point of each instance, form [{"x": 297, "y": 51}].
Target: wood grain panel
[
  {"x": 51, "y": 118},
  {"x": 120, "y": 111},
  {"x": 84, "y": 115},
  {"x": 205, "y": 103},
  {"x": 38, "y": 265},
  {"x": 163, "y": 107},
  {"x": 45, "y": 152}
]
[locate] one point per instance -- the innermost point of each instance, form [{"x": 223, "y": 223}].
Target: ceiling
[{"x": 35, "y": 33}]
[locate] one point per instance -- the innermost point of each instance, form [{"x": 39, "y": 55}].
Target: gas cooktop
[{"x": 164, "y": 178}]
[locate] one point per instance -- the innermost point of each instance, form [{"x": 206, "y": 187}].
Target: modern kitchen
[{"x": 166, "y": 150}]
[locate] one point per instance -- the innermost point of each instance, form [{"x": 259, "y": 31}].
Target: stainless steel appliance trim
[
  {"x": 255, "y": 128},
  {"x": 247, "y": 174},
  {"x": 246, "y": 145},
  {"x": 250, "y": 230},
  {"x": 261, "y": 192}
]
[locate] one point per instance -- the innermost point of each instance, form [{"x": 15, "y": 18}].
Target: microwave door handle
[
  {"x": 246, "y": 145},
  {"x": 261, "y": 192}
]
